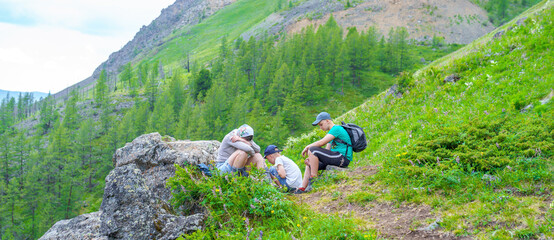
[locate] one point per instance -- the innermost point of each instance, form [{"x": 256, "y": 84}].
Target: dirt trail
[{"x": 393, "y": 221}]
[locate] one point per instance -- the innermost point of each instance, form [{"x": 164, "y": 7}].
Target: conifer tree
[
  {"x": 277, "y": 88},
  {"x": 201, "y": 83},
  {"x": 177, "y": 92},
  {"x": 126, "y": 76},
  {"x": 402, "y": 47},
  {"x": 71, "y": 117},
  {"x": 101, "y": 89}
]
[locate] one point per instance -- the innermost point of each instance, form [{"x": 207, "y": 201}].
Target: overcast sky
[{"x": 48, "y": 45}]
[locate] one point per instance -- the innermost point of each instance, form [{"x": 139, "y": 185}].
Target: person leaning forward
[
  {"x": 335, "y": 153},
  {"x": 284, "y": 170},
  {"x": 238, "y": 150}
]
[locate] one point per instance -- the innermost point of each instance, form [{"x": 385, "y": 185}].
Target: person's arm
[
  {"x": 242, "y": 146},
  {"x": 319, "y": 143},
  {"x": 237, "y": 138},
  {"x": 281, "y": 171},
  {"x": 255, "y": 147}
]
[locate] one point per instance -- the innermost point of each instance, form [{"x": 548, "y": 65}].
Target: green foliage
[
  {"x": 361, "y": 197},
  {"x": 101, "y": 89},
  {"x": 231, "y": 199},
  {"x": 244, "y": 206},
  {"x": 201, "y": 83},
  {"x": 501, "y": 11},
  {"x": 466, "y": 148}
]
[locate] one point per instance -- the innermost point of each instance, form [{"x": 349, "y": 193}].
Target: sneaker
[
  {"x": 300, "y": 191},
  {"x": 309, "y": 187}
]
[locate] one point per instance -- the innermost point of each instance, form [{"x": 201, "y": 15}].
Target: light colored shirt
[
  {"x": 294, "y": 176},
  {"x": 228, "y": 147}
]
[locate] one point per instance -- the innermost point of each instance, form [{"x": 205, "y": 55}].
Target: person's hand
[
  {"x": 235, "y": 138},
  {"x": 305, "y": 151},
  {"x": 307, "y": 161}
]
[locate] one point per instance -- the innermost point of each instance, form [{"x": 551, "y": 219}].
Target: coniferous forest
[{"x": 54, "y": 154}]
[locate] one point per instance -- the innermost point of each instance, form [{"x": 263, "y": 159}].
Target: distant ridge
[
  {"x": 175, "y": 16},
  {"x": 15, "y": 94}
]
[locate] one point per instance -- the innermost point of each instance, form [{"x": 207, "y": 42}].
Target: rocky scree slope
[
  {"x": 136, "y": 201},
  {"x": 458, "y": 21}
]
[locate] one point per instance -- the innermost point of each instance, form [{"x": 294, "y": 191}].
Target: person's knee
[
  {"x": 313, "y": 148},
  {"x": 241, "y": 154},
  {"x": 258, "y": 160}
]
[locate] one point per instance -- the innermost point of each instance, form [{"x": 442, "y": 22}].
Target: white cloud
[{"x": 67, "y": 40}]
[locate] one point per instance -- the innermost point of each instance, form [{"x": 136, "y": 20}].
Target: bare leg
[
  {"x": 312, "y": 167},
  {"x": 238, "y": 159},
  {"x": 314, "y": 164},
  {"x": 257, "y": 160},
  {"x": 306, "y": 179}
]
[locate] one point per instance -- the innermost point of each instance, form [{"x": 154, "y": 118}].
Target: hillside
[
  {"x": 186, "y": 30},
  {"x": 454, "y": 21},
  {"x": 466, "y": 149},
  {"x": 54, "y": 161},
  {"x": 181, "y": 14}
]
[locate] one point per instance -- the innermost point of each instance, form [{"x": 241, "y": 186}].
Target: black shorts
[{"x": 328, "y": 157}]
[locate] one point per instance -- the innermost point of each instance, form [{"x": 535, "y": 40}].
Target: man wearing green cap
[
  {"x": 238, "y": 150},
  {"x": 335, "y": 153}
]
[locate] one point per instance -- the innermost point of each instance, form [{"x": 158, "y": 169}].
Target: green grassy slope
[
  {"x": 202, "y": 40},
  {"x": 485, "y": 166}
]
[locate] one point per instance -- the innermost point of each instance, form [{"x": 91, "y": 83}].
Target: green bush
[
  {"x": 241, "y": 207},
  {"x": 231, "y": 200}
]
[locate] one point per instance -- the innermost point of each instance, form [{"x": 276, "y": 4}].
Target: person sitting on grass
[
  {"x": 335, "y": 153},
  {"x": 284, "y": 171},
  {"x": 238, "y": 150}
]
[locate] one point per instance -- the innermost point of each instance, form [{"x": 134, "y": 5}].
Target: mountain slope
[
  {"x": 456, "y": 21},
  {"x": 477, "y": 150},
  {"x": 180, "y": 14},
  {"x": 189, "y": 27}
]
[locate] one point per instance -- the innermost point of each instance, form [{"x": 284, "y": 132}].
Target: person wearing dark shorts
[
  {"x": 335, "y": 153},
  {"x": 328, "y": 157}
]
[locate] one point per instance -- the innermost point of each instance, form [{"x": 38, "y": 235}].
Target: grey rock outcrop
[
  {"x": 452, "y": 78},
  {"x": 136, "y": 200},
  {"x": 85, "y": 226},
  {"x": 394, "y": 91}
]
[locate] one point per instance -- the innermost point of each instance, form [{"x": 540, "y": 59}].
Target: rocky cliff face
[
  {"x": 136, "y": 201},
  {"x": 179, "y": 14}
]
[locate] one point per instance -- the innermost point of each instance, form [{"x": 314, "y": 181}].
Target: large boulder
[{"x": 136, "y": 200}]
